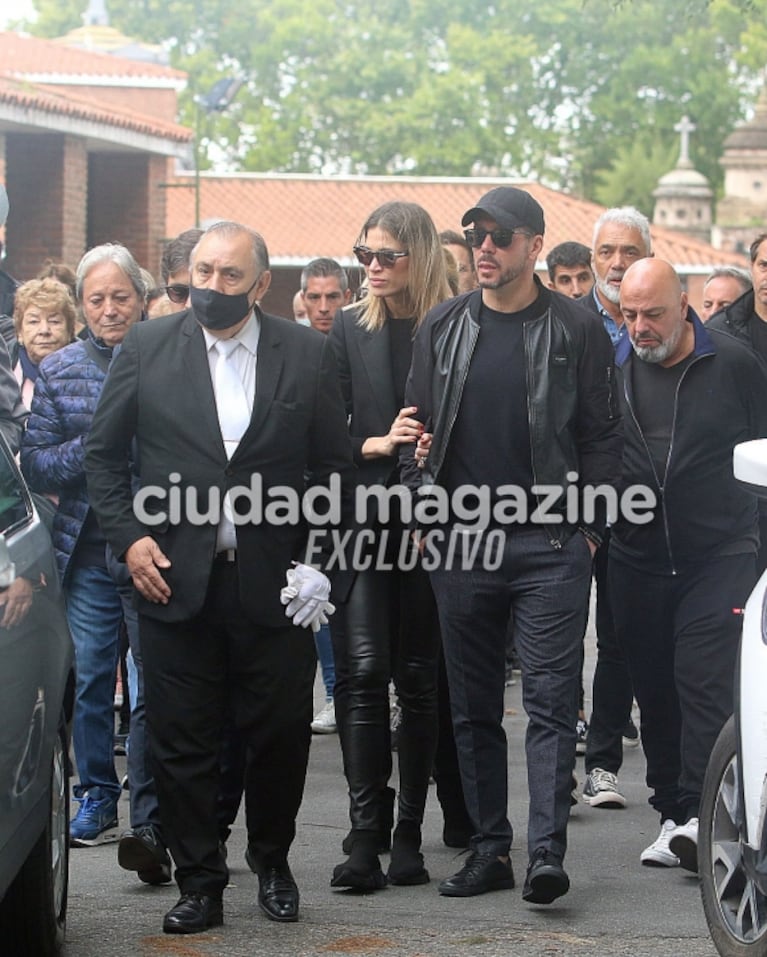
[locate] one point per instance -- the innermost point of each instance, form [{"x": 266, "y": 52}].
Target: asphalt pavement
[{"x": 615, "y": 906}]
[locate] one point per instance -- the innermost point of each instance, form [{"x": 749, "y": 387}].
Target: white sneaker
[
  {"x": 684, "y": 844},
  {"x": 325, "y": 720},
  {"x": 659, "y": 853}
]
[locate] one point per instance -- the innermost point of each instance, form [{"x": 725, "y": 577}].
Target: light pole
[{"x": 216, "y": 100}]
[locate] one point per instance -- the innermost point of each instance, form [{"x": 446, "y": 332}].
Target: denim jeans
[
  {"x": 94, "y": 612},
  {"x": 545, "y": 588},
  {"x": 324, "y": 647}
]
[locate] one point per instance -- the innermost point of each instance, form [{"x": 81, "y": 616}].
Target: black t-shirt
[
  {"x": 654, "y": 397},
  {"x": 490, "y": 441}
]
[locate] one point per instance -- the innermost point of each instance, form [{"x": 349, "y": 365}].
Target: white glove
[{"x": 306, "y": 597}]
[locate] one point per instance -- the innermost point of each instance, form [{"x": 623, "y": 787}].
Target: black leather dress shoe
[
  {"x": 278, "y": 893},
  {"x": 546, "y": 879},
  {"x": 481, "y": 873},
  {"x": 193, "y": 914},
  {"x": 141, "y": 849}
]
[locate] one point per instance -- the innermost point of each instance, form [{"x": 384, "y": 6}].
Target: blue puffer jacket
[{"x": 67, "y": 391}]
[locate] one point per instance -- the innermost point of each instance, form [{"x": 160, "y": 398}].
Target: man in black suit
[{"x": 215, "y": 638}]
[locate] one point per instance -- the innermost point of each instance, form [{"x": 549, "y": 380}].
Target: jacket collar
[{"x": 704, "y": 344}]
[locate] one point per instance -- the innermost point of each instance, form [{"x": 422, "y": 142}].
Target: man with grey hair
[
  {"x": 723, "y": 286},
  {"x": 324, "y": 290},
  {"x": 217, "y": 400},
  {"x": 110, "y": 291},
  {"x": 621, "y": 237}
]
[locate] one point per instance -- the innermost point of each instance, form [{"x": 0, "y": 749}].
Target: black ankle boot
[
  {"x": 386, "y": 818},
  {"x": 406, "y": 866},
  {"x": 362, "y": 869}
]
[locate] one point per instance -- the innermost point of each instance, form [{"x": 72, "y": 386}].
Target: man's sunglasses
[
  {"x": 387, "y": 258},
  {"x": 501, "y": 237},
  {"x": 177, "y": 293}
]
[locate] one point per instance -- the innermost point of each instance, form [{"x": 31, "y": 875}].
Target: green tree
[{"x": 583, "y": 94}]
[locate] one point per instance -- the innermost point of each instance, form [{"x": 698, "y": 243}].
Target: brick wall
[
  {"x": 47, "y": 219},
  {"x": 126, "y": 203}
]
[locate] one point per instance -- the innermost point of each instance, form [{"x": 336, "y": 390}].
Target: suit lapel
[
  {"x": 375, "y": 352},
  {"x": 269, "y": 361}
]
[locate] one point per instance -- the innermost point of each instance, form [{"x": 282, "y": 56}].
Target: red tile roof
[
  {"x": 303, "y": 217},
  {"x": 55, "y": 100},
  {"x": 22, "y": 55}
]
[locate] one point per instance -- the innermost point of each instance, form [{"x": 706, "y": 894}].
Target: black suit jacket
[
  {"x": 159, "y": 391},
  {"x": 365, "y": 371}
]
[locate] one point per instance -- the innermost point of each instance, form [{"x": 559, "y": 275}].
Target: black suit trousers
[{"x": 198, "y": 675}]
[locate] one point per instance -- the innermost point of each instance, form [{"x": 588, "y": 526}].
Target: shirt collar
[{"x": 247, "y": 336}]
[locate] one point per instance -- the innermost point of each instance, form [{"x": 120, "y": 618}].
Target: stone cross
[{"x": 684, "y": 127}]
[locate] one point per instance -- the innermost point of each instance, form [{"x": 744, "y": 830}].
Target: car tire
[
  {"x": 34, "y": 909},
  {"x": 735, "y": 908}
]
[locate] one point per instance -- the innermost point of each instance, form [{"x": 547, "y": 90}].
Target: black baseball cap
[{"x": 510, "y": 207}]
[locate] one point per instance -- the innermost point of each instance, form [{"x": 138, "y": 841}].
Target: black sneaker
[
  {"x": 630, "y": 734},
  {"x": 141, "y": 849},
  {"x": 546, "y": 879},
  {"x": 481, "y": 873}
]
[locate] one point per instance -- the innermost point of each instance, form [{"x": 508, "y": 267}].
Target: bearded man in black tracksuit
[{"x": 689, "y": 394}]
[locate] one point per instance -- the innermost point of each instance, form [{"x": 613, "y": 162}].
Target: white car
[{"x": 732, "y": 833}]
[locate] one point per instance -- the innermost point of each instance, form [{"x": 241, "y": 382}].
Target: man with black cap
[{"x": 540, "y": 370}]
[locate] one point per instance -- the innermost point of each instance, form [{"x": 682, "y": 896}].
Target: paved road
[{"x": 615, "y": 906}]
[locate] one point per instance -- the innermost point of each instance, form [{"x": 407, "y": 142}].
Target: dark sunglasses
[
  {"x": 387, "y": 258},
  {"x": 501, "y": 237},
  {"x": 177, "y": 293}
]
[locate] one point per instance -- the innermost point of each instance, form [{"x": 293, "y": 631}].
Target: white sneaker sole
[
  {"x": 655, "y": 858},
  {"x": 323, "y": 729},
  {"x": 609, "y": 800}
]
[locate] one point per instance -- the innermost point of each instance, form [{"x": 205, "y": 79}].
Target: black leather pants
[{"x": 387, "y": 629}]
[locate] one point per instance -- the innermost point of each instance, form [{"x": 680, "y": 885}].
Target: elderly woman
[
  {"x": 44, "y": 318},
  {"x": 110, "y": 291}
]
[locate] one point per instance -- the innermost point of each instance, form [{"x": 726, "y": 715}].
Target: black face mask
[{"x": 216, "y": 310}]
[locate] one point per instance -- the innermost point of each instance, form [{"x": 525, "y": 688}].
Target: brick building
[{"x": 87, "y": 141}]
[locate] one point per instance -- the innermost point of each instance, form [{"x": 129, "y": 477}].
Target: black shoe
[
  {"x": 406, "y": 867},
  {"x": 386, "y": 817},
  {"x": 278, "y": 893},
  {"x": 481, "y": 873},
  {"x": 141, "y": 849},
  {"x": 546, "y": 879},
  {"x": 362, "y": 871},
  {"x": 193, "y": 914}
]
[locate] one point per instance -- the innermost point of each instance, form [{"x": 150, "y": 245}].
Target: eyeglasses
[
  {"x": 387, "y": 258},
  {"x": 177, "y": 293},
  {"x": 500, "y": 237}
]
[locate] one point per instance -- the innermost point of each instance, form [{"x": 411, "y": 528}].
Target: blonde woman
[{"x": 387, "y": 627}]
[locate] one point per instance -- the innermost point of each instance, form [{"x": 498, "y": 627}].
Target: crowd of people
[{"x": 456, "y": 413}]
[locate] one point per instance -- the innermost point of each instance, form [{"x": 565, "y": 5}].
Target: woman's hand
[{"x": 404, "y": 430}]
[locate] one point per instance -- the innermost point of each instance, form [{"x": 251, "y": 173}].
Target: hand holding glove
[{"x": 306, "y": 597}]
